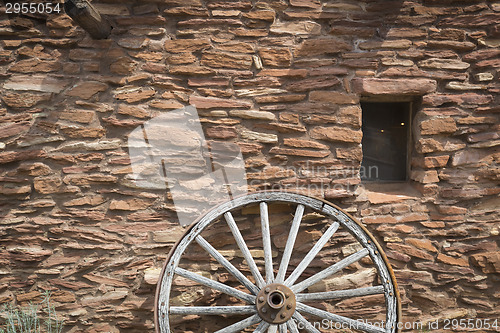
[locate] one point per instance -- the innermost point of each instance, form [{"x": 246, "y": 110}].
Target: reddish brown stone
[
  {"x": 468, "y": 193},
  {"x": 34, "y": 296},
  {"x": 14, "y": 129},
  {"x": 361, "y": 63},
  {"x": 481, "y": 55},
  {"x": 226, "y": 60},
  {"x": 425, "y": 177},
  {"x": 48, "y": 185},
  {"x": 489, "y": 262},
  {"x": 209, "y": 22},
  {"x": 265, "y": 15},
  {"x": 439, "y": 145},
  {"x": 466, "y": 98},
  {"x": 171, "y": 104},
  {"x": 413, "y": 217},
  {"x": 282, "y": 128},
  {"x": 306, "y": 3},
  {"x": 436, "y": 63},
  {"x": 436, "y": 161},
  {"x": 186, "y": 45},
  {"x": 386, "y": 44},
  {"x": 113, "y": 121},
  {"x": 313, "y": 14},
  {"x": 280, "y": 98},
  {"x": 190, "y": 70},
  {"x": 476, "y": 120},
  {"x": 495, "y": 63},
  {"x": 181, "y": 59},
  {"x": 358, "y": 31},
  {"x": 320, "y": 46},
  {"x": 271, "y": 172},
  {"x": 333, "y": 97},
  {"x": 14, "y": 189},
  {"x": 299, "y": 152},
  {"x": 299, "y": 143},
  {"x": 87, "y": 89},
  {"x": 406, "y": 33},
  {"x": 250, "y": 148},
  {"x": 433, "y": 224},
  {"x": 438, "y": 126},
  {"x": 88, "y": 179},
  {"x": 350, "y": 154},
  {"x": 210, "y": 82},
  {"x": 313, "y": 83},
  {"x": 276, "y": 57},
  {"x": 452, "y": 45},
  {"x": 188, "y": 11},
  {"x": 452, "y": 261},
  {"x": 411, "y": 251},
  {"x": 8, "y": 157},
  {"x": 243, "y": 32},
  {"x": 423, "y": 244},
  {"x": 336, "y": 134},
  {"x": 372, "y": 86},
  {"x": 35, "y": 66},
  {"x": 136, "y": 95},
  {"x": 485, "y": 136},
  {"x": 134, "y": 111},
  {"x": 141, "y": 20},
  {"x": 211, "y": 103},
  {"x": 80, "y": 116},
  {"x": 237, "y": 47},
  {"x": 62, "y": 296},
  {"x": 283, "y": 72},
  {"x": 472, "y": 21},
  {"x": 379, "y": 219},
  {"x": 123, "y": 66},
  {"x": 24, "y": 100},
  {"x": 296, "y": 28},
  {"x": 83, "y": 132},
  {"x": 221, "y": 132},
  {"x": 74, "y": 285}
]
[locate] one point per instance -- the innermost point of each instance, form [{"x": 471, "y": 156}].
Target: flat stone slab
[{"x": 383, "y": 87}]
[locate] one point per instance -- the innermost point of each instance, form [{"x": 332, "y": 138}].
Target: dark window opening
[{"x": 386, "y": 137}]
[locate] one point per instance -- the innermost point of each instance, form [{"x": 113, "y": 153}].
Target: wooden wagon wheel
[{"x": 295, "y": 294}]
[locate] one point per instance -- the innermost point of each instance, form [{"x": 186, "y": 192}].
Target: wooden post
[{"x": 87, "y": 17}]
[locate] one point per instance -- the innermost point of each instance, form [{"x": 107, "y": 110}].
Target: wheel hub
[{"x": 276, "y": 303}]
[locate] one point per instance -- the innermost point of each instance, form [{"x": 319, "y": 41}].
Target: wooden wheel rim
[{"x": 337, "y": 215}]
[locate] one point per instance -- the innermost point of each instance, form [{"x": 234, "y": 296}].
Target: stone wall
[{"x": 283, "y": 80}]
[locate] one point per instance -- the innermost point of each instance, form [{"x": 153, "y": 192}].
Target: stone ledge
[{"x": 396, "y": 87}]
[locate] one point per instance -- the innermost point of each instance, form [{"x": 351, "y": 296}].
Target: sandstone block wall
[{"x": 283, "y": 80}]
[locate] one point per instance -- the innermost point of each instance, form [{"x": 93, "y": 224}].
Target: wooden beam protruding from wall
[{"x": 87, "y": 17}]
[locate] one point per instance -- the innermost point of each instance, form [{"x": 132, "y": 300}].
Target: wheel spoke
[
  {"x": 263, "y": 326},
  {"x": 306, "y": 324},
  {"x": 329, "y": 271},
  {"x": 244, "y": 249},
  {"x": 215, "y": 285},
  {"x": 311, "y": 254},
  {"x": 292, "y": 326},
  {"x": 357, "y": 324},
  {"x": 290, "y": 242},
  {"x": 241, "y": 325},
  {"x": 272, "y": 329},
  {"x": 340, "y": 294},
  {"x": 266, "y": 239},
  {"x": 282, "y": 328},
  {"x": 212, "y": 310},
  {"x": 224, "y": 262}
]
